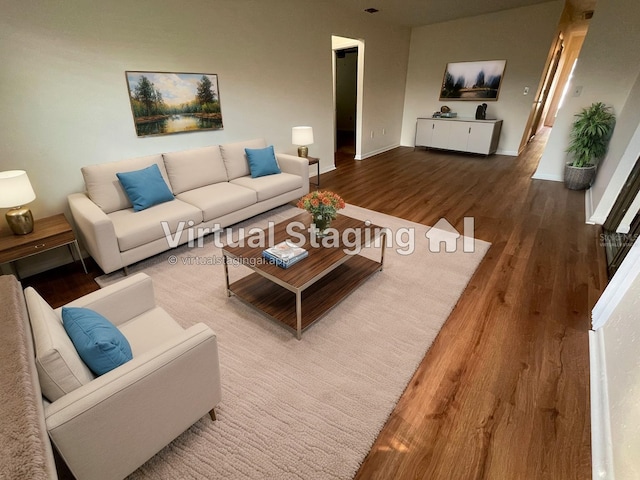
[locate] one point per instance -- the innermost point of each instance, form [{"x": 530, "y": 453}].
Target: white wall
[
  {"x": 521, "y": 36},
  {"x": 615, "y": 374},
  {"x": 65, "y": 99},
  {"x": 607, "y": 70}
]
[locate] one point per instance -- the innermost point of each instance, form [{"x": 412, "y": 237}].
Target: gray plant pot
[{"x": 578, "y": 178}]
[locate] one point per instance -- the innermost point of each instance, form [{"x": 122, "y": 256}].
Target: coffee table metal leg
[
  {"x": 299, "y": 314},
  {"x": 225, "y": 259}
]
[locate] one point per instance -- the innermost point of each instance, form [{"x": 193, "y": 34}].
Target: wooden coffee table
[{"x": 300, "y": 295}]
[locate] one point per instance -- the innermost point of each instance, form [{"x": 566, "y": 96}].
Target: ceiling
[{"x": 412, "y": 13}]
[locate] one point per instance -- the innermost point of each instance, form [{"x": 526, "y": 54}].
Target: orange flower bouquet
[{"x": 323, "y": 207}]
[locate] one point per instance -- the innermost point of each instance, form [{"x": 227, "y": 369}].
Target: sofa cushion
[
  {"x": 60, "y": 368},
  {"x": 219, "y": 199},
  {"x": 98, "y": 342},
  {"x": 235, "y": 158},
  {"x": 262, "y": 161},
  {"x": 103, "y": 186},
  {"x": 271, "y": 185},
  {"x": 139, "y": 228},
  {"x": 145, "y": 188},
  {"x": 194, "y": 168}
]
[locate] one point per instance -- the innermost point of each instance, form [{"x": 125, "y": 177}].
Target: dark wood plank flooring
[{"x": 503, "y": 393}]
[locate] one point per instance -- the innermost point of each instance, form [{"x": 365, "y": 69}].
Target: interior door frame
[{"x": 543, "y": 91}]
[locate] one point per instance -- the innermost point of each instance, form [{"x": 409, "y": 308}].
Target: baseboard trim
[
  {"x": 377, "y": 152},
  {"x": 510, "y": 153},
  {"x": 326, "y": 170},
  {"x": 592, "y": 219},
  {"x": 601, "y": 446},
  {"x": 547, "y": 176}
]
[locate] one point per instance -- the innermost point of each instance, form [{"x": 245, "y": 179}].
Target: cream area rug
[{"x": 308, "y": 409}]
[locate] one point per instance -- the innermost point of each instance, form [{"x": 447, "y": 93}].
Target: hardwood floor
[{"x": 503, "y": 393}]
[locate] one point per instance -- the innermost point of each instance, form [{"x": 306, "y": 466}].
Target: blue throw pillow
[
  {"x": 98, "y": 342},
  {"x": 262, "y": 161},
  {"x": 145, "y": 188}
]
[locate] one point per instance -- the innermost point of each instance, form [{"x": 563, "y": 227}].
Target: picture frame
[
  {"x": 477, "y": 80},
  {"x": 164, "y": 103}
]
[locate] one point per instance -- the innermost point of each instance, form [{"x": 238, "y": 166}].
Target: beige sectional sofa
[{"x": 213, "y": 188}]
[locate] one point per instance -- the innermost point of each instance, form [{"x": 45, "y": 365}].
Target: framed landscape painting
[
  {"x": 164, "y": 103},
  {"x": 472, "y": 80}
]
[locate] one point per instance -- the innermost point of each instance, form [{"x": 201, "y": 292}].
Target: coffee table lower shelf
[{"x": 317, "y": 299}]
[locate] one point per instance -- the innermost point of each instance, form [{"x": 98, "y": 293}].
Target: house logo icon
[{"x": 445, "y": 233}]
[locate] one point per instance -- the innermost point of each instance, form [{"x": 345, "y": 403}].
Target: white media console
[{"x": 460, "y": 134}]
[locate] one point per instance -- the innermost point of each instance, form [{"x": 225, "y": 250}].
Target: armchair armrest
[
  {"x": 120, "y": 301},
  {"x": 112, "y": 425},
  {"x": 96, "y": 231}
]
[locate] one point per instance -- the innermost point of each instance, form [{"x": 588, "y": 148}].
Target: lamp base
[
  {"x": 303, "y": 152},
  {"x": 20, "y": 220}
]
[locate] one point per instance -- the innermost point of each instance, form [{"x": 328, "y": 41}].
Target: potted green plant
[{"x": 590, "y": 135}]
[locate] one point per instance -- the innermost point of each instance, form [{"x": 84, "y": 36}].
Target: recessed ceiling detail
[{"x": 414, "y": 13}]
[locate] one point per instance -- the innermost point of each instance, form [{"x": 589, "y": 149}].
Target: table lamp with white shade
[
  {"x": 302, "y": 136},
  {"x": 16, "y": 191}
]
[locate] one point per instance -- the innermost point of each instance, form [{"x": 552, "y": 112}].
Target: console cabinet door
[
  {"x": 479, "y": 138},
  {"x": 432, "y": 133},
  {"x": 424, "y": 132},
  {"x": 459, "y": 136},
  {"x": 441, "y": 134}
]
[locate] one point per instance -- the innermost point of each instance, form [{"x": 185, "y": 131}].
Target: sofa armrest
[
  {"x": 294, "y": 165},
  {"x": 112, "y": 425},
  {"x": 120, "y": 301},
  {"x": 96, "y": 231}
]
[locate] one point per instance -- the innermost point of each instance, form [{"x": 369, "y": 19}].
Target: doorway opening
[
  {"x": 556, "y": 77},
  {"x": 348, "y": 63}
]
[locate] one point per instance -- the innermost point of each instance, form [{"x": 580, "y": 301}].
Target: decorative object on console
[
  {"x": 472, "y": 80},
  {"x": 160, "y": 105},
  {"x": 445, "y": 112},
  {"x": 302, "y": 136},
  {"x": 16, "y": 191},
  {"x": 323, "y": 207},
  {"x": 481, "y": 112}
]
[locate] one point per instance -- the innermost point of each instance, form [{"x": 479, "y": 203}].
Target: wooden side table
[
  {"x": 315, "y": 161},
  {"x": 48, "y": 233}
]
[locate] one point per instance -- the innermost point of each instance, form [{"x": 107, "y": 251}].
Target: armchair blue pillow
[
  {"x": 145, "y": 188},
  {"x": 262, "y": 161},
  {"x": 98, "y": 342}
]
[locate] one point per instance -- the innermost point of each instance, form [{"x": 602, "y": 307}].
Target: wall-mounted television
[{"x": 472, "y": 80}]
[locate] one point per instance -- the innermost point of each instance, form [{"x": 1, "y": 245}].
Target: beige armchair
[{"x": 106, "y": 427}]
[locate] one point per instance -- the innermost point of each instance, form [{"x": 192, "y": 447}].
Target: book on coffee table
[{"x": 285, "y": 254}]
